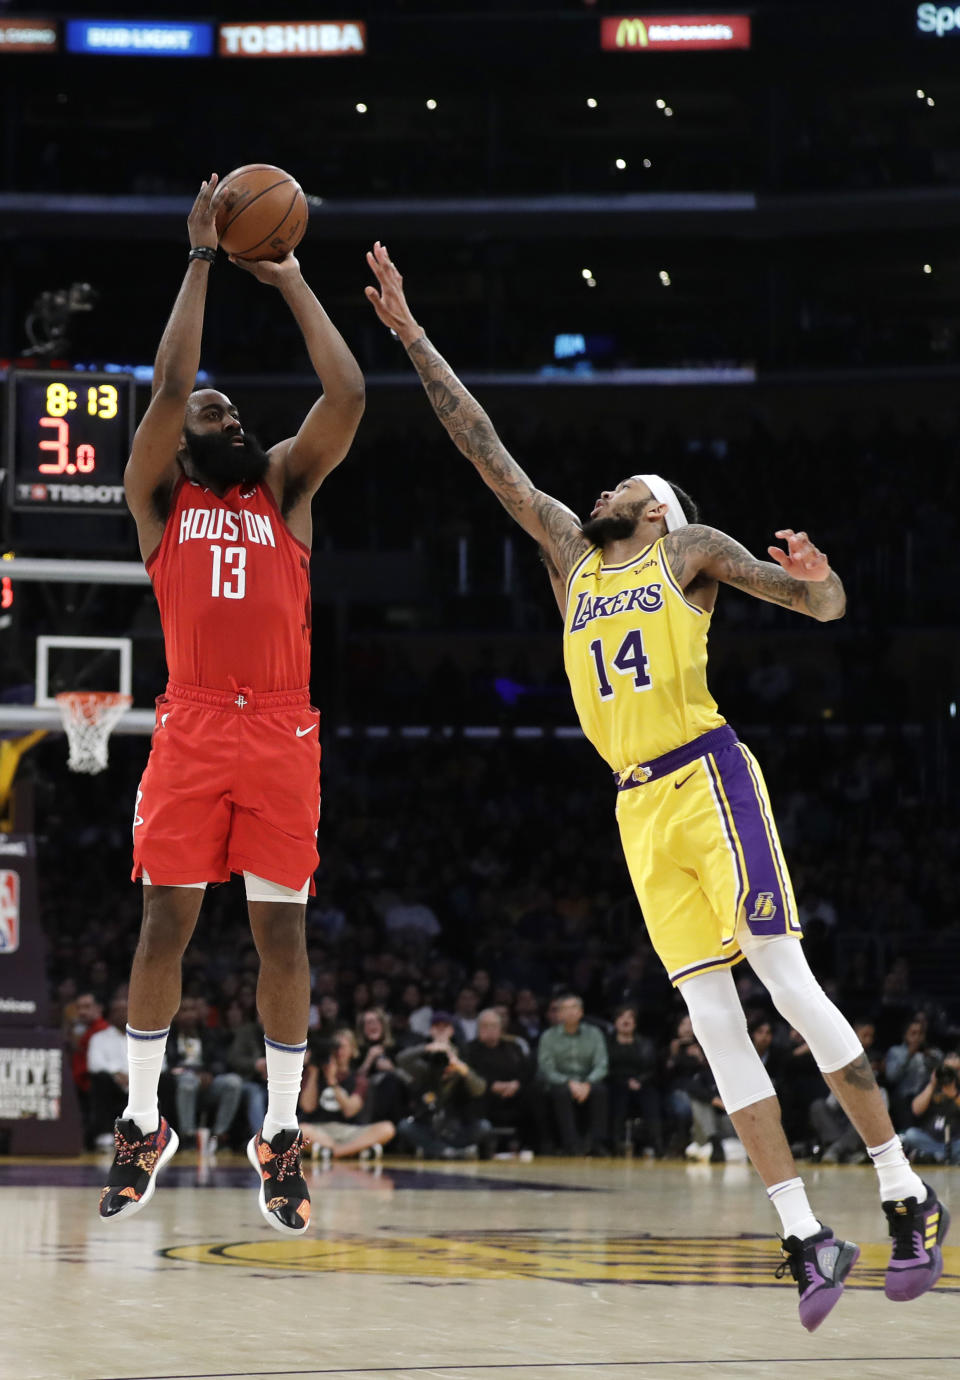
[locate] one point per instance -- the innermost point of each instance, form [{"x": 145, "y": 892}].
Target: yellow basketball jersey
[{"x": 635, "y": 652}]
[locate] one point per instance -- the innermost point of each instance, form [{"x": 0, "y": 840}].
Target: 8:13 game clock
[{"x": 68, "y": 439}]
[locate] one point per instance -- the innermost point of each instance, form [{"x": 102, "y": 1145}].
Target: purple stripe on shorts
[
  {"x": 727, "y": 961},
  {"x": 724, "y": 813},
  {"x": 765, "y": 905}
]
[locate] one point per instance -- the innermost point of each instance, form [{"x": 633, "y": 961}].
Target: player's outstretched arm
[
  {"x": 153, "y": 459},
  {"x": 329, "y": 427},
  {"x": 549, "y": 522},
  {"x": 800, "y": 579}
]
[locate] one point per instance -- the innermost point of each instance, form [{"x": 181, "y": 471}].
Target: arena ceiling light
[
  {"x": 620, "y": 164},
  {"x": 431, "y": 104},
  {"x": 591, "y": 103}
]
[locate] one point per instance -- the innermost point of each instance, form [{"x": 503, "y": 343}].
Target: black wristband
[{"x": 203, "y": 251}]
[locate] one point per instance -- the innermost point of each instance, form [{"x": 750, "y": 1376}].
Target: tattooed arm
[
  {"x": 549, "y": 522},
  {"x": 801, "y": 579}
]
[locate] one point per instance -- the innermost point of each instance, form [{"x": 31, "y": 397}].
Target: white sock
[
  {"x": 897, "y": 1179},
  {"x": 145, "y": 1051},
  {"x": 284, "y": 1075},
  {"x": 790, "y": 1200}
]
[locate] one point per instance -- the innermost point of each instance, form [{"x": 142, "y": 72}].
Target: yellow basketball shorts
[{"x": 704, "y": 857}]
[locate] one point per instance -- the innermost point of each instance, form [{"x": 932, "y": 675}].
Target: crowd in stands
[
  {"x": 519, "y": 1076},
  {"x": 482, "y": 979}
]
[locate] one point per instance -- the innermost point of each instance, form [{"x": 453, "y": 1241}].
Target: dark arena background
[{"x": 718, "y": 246}]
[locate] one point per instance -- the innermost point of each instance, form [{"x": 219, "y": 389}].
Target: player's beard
[
  {"x": 603, "y": 530},
  {"x": 218, "y": 460}
]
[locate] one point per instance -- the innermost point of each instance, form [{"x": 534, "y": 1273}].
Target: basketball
[{"x": 261, "y": 212}]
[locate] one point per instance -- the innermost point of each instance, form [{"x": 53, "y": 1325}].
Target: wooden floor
[{"x": 554, "y": 1270}]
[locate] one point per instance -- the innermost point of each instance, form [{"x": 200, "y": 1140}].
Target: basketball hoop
[{"x": 88, "y": 718}]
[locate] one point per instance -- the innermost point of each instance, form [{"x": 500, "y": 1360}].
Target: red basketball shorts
[{"x": 232, "y": 784}]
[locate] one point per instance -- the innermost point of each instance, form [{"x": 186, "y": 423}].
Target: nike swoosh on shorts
[
  {"x": 678, "y": 784},
  {"x": 302, "y": 732}
]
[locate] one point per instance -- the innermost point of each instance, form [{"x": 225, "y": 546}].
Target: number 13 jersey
[
  {"x": 635, "y": 651},
  {"x": 233, "y": 586}
]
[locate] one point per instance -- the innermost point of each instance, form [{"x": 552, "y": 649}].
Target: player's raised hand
[
  {"x": 201, "y": 222},
  {"x": 389, "y": 303},
  {"x": 801, "y": 559},
  {"x": 271, "y": 271}
]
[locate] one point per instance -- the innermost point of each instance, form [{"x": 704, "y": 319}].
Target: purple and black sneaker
[
  {"x": 916, "y": 1260},
  {"x": 819, "y": 1265}
]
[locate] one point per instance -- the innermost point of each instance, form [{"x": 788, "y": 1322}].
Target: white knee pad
[
  {"x": 259, "y": 889},
  {"x": 721, "y": 1029},
  {"x": 781, "y": 965}
]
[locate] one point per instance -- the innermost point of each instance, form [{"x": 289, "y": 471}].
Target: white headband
[{"x": 663, "y": 493}]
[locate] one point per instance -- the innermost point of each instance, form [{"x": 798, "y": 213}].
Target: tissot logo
[{"x": 636, "y": 33}]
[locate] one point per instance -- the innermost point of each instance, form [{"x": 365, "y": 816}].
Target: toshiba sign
[
  {"x": 641, "y": 33},
  {"x": 327, "y": 38}
]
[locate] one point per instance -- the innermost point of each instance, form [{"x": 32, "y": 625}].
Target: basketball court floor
[{"x": 500, "y": 1271}]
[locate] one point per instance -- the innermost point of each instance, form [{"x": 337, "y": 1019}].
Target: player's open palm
[
  {"x": 801, "y": 559},
  {"x": 201, "y": 222},
  {"x": 389, "y": 303}
]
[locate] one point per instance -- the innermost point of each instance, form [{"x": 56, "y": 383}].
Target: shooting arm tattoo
[
  {"x": 696, "y": 549},
  {"x": 473, "y": 433}
]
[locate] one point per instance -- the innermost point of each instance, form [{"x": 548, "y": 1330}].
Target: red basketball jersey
[{"x": 233, "y": 586}]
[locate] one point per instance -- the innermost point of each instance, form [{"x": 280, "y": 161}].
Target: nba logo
[{"x": 9, "y": 911}]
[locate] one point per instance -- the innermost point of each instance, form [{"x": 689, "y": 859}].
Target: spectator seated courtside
[
  {"x": 507, "y": 1070},
  {"x": 572, "y": 1068},
  {"x": 331, "y": 1106},
  {"x": 445, "y": 1092},
  {"x": 634, "y": 1094}
]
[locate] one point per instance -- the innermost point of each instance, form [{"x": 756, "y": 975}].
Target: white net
[{"x": 88, "y": 719}]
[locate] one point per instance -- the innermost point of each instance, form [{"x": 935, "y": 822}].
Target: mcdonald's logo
[{"x": 634, "y": 33}]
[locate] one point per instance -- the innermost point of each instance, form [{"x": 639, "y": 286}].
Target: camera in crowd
[{"x": 946, "y": 1078}]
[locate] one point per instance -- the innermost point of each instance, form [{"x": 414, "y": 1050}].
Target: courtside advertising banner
[
  {"x": 325, "y": 38},
  {"x": 23, "y": 981},
  {"x": 127, "y": 38},
  {"x": 630, "y": 33},
  {"x": 28, "y": 36}
]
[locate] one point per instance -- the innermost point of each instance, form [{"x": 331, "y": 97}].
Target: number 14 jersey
[
  {"x": 635, "y": 651},
  {"x": 233, "y": 586}
]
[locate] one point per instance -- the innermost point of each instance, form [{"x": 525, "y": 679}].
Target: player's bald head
[{"x": 202, "y": 398}]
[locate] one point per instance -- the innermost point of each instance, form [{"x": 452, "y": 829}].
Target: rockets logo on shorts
[{"x": 9, "y": 911}]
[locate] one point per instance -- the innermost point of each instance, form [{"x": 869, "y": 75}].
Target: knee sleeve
[
  {"x": 781, "y": 965},
  {"x": 721, "y": 1029}
]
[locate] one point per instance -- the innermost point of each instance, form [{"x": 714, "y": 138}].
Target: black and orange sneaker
[
  {"x": 284, "y": 1196},
  {"x": 137, "y": 1161}
]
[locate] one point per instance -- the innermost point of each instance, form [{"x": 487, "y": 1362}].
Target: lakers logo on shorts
[{"x": 765, "y": 908}]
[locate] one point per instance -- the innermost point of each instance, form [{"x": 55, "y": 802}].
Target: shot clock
[{"x": 68, "y": 439}]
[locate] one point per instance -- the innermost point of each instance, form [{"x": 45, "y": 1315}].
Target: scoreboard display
[{"x": 68, "y": 439}]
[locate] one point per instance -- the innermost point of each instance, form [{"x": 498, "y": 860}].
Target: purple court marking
[{"x": 239, "y": 1176}]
